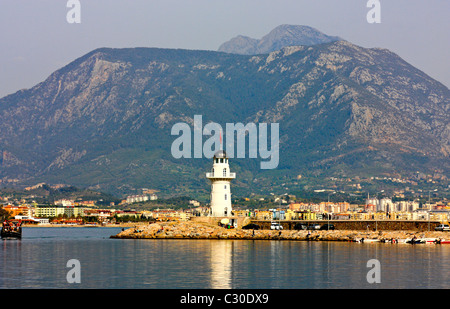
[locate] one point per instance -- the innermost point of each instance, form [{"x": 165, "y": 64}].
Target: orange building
[{"x": 17, "y": 210}]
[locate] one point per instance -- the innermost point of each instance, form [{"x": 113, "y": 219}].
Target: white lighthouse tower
[{"x": 220, "y": 177}]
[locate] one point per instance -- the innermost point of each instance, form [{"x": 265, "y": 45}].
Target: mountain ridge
[
  {"x": 104, "y": 119},
  {"x": 281, "y": 36}
]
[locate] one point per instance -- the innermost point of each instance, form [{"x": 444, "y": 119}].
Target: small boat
[
  {"x": 440, "y": 241},
  {"x": 394, "y": 241},
  {"x": 371, "y": 240},
  {"x": 12, "y": 229},
  {"x": 403, "y": 241},
  {"x": 363, "y": 240},
  {"x": 416, "y": 241},
  {"x": 429, "y": 240}
]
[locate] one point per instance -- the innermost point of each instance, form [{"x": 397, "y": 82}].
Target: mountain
[
  {"x": 104, "y": 121},
  {"x": 281, "y": 36}
]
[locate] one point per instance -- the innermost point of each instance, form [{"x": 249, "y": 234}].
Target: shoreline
[
  {"x": 122, "y": 225},
  {"x": 191, "y": 230}
]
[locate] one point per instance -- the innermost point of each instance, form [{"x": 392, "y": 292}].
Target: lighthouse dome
[{"x": 220, "y": 154}]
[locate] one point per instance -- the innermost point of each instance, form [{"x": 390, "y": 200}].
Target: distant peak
[
  {"x": 286, "y": 27},
  {"x": 281, "y": 36}
]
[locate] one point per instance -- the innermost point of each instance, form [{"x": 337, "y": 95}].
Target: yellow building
[
  {"x": 360, "y": 216},
  {"x": 263, "y": 215},
  {"x": 241, "y": 213},
  {"x": 291, "y": 215},
  {"x": 307, "y": 215},
  {"x": 378, "y": 216},
  {"x": 300, "y": 215}
]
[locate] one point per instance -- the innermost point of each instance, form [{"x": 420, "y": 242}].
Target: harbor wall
[
  {"x": 356, "y": 225},
  {"x": 359, "y": 225}
]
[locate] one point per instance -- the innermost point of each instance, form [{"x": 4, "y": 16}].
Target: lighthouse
[{"x": 220, "y": 177}]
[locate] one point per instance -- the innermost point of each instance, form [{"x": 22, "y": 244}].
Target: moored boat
[
  {"x": 440, "y": 241},
  {"x": 11, "y": 229},
  {"x": 371, "y": 240},
  {"x": 415, "y": 241},
  {"x": 403, "y": 241},
  {"x": 363, "y": 240},
  {"x": 429, "y": 240}
]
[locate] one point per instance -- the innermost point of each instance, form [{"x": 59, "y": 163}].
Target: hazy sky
[{"x": 36, "y": 39}]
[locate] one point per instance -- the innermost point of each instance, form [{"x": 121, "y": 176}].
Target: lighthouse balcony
[{"x": 220, "y": 175}]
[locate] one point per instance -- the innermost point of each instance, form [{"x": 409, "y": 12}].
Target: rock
[{"x": 194, "y": 230}]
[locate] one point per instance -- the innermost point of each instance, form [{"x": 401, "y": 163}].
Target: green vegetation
[{"x": 48, "y": 195}]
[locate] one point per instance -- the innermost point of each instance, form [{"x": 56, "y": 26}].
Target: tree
[{"x": 4, "y": 214}]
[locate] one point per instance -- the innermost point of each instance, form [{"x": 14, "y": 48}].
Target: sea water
[{"x": 39, "y": 260}]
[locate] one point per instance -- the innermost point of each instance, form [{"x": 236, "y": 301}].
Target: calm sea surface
[{"x": 40, "y": 259}]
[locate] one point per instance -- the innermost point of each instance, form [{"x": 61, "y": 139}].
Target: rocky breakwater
[{"x": 194, "y": 230}]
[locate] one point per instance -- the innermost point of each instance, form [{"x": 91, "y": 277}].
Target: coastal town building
[
  {"x": 386, "y": 205},
  {"x": 321, "y": 207},
  {"x": 139, "y": 198},
  {"x": 18, "y": 210},
  {"x": 136, "y": 198},
  {"x": 57, "y": 210},
  {"x": 64, "y": 202},
  {"x": 85, "y": 203},
  {"x": 99, "y": 215}
]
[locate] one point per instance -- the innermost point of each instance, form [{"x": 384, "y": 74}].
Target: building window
[
  {"x": 224, "y": 172},
  {"x": 225, "y": 197},
  {"x": 225, "y": 186}
]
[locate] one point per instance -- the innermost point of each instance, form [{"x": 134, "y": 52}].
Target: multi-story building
[
  {"x": 57, "y": 210},
  {"x": 14, "y": 210},
  {"x": 101, "y": 215},
  {"x": 385, "y": 205},
  {"x": 137, "y": 198},
  {"x": 48, "y": 211}
]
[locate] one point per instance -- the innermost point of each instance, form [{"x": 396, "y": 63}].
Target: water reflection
[
  {"x": 12, "y": 260},
  {"x": 39, "y": 261},
  {"x": 221, "y": 264}
]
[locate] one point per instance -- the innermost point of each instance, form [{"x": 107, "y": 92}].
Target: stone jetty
[{"x": 196, "y": 230}]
